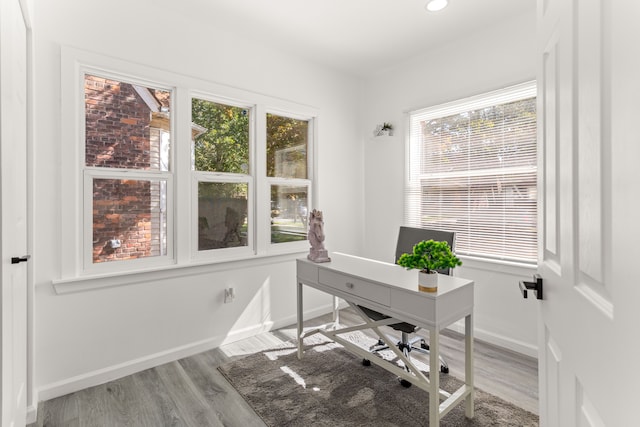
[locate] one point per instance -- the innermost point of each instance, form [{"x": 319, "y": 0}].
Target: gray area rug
[{"x": 331, "y": 387}]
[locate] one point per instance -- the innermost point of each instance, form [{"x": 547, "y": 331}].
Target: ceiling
[{"x": 360, "y": 37}]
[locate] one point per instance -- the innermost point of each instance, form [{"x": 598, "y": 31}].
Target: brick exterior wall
[
  {"x": 119, "y": 134},
  {"x": 117, "y": 125},
  {"x": 122, "y": 209}
]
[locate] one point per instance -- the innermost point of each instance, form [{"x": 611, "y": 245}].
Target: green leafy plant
[
  {"x": 387, "y": 126},
  {"x": 428, "y": 256}
]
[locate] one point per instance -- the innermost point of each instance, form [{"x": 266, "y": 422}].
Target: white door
[
  {"x": 589, "y": 183},
  {"x": 13, "y": 208}
]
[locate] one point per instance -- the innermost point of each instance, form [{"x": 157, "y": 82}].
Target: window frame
[
  {"x": 91, "y": 267},
  {"x": 415, "y": 176},
  {"x": 226, "y": 178},
  {"x": 182, "y": 211},
  {"x": 293, "y": 182},
  {"x": 223, "y": 253},
  {"x": 90, "y": 173}
]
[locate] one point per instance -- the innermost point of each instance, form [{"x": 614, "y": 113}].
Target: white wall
[
  {"x": 84, "y": 338},
  {"x": 498, "y": 57}
]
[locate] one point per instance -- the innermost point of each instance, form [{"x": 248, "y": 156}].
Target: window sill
[
  {"x": 88, "y": 283},
  {"x": 487, "y": 264}
]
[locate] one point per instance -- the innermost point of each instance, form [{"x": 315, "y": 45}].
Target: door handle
[
  {"x": 16, "y": 260},
  {"x": 535, "y": 286}
]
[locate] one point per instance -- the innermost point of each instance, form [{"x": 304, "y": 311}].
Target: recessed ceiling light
[{"x": 436, "y": 5}]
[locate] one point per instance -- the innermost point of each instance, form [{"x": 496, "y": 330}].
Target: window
[
  {"x": 161, "y": 169},
  {"x": 472, "y": 170},
  {"x": 221, "y": 165},
  {"x": 287, "y": 145},
  {"x": 126, "y": 147}
]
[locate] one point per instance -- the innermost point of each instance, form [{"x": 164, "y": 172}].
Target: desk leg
[
  {"x": 336, "y": 312},
  {"x": 300, "y": 319},
  {"x": 468, "y": 374},
  {"x": 434, "y": 378}
]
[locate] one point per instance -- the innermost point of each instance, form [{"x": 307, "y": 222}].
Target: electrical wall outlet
[
  {"x": 229, "y": 295},
  {"x": 115, "y": 243}
]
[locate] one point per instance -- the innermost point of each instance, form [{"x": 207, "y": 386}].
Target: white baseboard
[
  {"x": 499, "y": 340},
  {"x": 101, "y": 376},
  {"x": 32, "y": 414},
  {"x": 269, "y": 326}
]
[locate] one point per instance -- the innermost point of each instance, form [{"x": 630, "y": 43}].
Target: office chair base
[
  {"x": 404, "y": 383},
  {"x": 443, "y": 367},
  {"x": 424, "y": 349}
]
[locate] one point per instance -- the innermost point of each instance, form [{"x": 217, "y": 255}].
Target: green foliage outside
[
  {"x": 473, "y": 135},
  {"x": 224, "y": 144},
  {"x": 429, "y": 255},
  {"x": 283, "y": 133},
  {"x": 223, "y": 147}
]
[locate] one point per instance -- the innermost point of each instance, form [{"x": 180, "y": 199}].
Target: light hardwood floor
[{"x": 191, "y": 391}]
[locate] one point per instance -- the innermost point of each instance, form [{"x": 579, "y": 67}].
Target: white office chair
[{"x": 407, "y": 238}]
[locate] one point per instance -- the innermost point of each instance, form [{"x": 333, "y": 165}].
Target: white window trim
[
  {"x": 487, "y": 99},
  {"x": 182, "y": 252}
]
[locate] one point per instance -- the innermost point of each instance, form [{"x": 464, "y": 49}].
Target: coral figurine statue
[{"x": 317, "y": 253}]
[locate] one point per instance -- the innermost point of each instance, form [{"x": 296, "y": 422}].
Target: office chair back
[{"x": 409, "y": 236}]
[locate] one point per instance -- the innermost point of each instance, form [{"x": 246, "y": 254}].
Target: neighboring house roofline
[
  {"x": 148, "y": 98},
  {"x": 156, "y": 107}
]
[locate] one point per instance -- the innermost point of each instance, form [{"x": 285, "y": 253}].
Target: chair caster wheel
[
  {"x": 405, "y": 383},
  {"x": 366, "y": 362},
  {"x": 424, "y": 345},
  {"x": 444, "y": 369}
]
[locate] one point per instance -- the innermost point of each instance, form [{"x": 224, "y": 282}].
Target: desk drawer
[{"x": 357, "y": 287}]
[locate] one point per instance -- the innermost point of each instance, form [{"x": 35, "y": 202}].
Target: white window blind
[{"x": 472, "y": 170}]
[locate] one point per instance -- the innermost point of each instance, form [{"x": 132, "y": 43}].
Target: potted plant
[
  {"x": 429, "y": 256},
  {"x": 386, "y": 129}
]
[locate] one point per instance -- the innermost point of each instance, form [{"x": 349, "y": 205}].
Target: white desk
[{"x": 393, "y": 291}]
